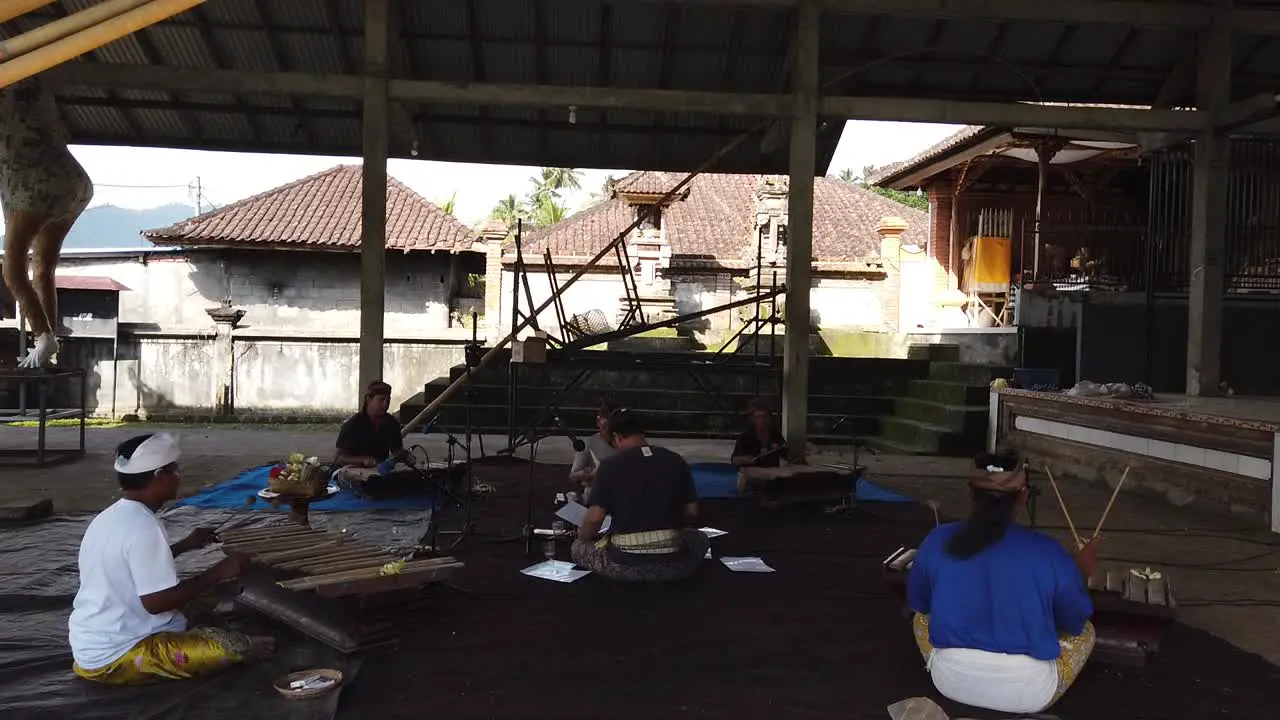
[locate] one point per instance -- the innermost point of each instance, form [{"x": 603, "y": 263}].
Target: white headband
[{"x": 153, "y": 454}]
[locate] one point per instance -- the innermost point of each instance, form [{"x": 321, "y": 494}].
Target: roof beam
[
  {"x": 1081, "y": 12},
  {"x": 171, "y": 79}
]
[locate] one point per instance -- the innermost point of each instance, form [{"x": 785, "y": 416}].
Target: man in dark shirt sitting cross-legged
[
  {"x": 369, "y": 442},
  {"x": 649, "y": 493}
]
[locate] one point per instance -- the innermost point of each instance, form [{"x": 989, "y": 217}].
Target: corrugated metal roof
[{"x": 609, "y": 44}]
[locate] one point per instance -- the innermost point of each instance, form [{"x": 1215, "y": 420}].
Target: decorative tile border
[
  {"x": 1146, "y": 408},
  {"x": 1234, "y": 463}
]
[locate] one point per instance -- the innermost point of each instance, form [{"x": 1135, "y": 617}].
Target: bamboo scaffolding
[
  {"x": 65, "y": 27},
  {"x": 430, "y": 410},
  {"x": 91, "y": 38}
]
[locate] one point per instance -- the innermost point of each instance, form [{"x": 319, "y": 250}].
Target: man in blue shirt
[{"x": 1002, "y": 610}]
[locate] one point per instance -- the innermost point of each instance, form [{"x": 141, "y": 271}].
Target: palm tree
[
  {"x": 508, "y": 210},
  {"x": 846, "y": 175},
  {"x": 547, "y": 212}
]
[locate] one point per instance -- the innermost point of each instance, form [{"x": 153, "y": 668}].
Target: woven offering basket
[
  {"x": 311, "y": 482},
  {"x": 282, "y": 685}
]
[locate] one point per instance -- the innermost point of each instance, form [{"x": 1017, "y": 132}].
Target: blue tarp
[
  {"x": 720, "y": 480},
  {"x": 713, "y": 480},
  {"x": 235, "y": 492}
]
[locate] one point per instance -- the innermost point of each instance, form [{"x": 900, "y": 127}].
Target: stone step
[
  {"x": 827, "y": 375},
  {"x": 933, "y": 439},
  {"x": 957, "y": 418},
  {"x": 934, "y": 352},
  {"x": 968, "y": 373},
  {"x": 659, "y": 399},
  {"x": 683, "y": 423},
  {"x": 949, "y": 393}
]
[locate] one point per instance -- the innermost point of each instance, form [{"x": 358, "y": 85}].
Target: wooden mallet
[
  {"x": 1058, "y": 494},
  {"x": 1107, "y": 510}
]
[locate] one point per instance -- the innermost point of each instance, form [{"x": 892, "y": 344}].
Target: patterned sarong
[
  {"x": 615, "y": 564},
  {"x": 172, "y": 656},
  {"x": 1076, "y": 650}
]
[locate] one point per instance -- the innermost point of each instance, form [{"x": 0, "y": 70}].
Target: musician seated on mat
[
  {"x": 1003, "y": 610},
  {"x": 649, "y": 493},
  {"x": 371, "y": 437},
  {"x": 597, "y": 448},
  {"x": 761, "y": 444},
  {"x": 126, "y": 624}
]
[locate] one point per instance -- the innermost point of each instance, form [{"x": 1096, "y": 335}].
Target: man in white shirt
[
  {"x": 595, "y": 449},
  {"x": 126, "y": 625}
]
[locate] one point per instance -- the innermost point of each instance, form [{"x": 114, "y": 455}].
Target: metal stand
[
  {"x": 471, "y": 356},
  {"x": 43, "y": 380}
]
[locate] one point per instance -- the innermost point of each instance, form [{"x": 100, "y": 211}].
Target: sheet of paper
[
  {"x": 575, "y": 514},
  {"x": 746, "y": 564},
  {"x": 712, "y": 532},
  {"x": 555, "y": 570}
]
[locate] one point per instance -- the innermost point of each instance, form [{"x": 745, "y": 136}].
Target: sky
[{"x": 139, "y": 178}]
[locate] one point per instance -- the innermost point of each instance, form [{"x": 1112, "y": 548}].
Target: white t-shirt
[
  {"x": 994, "y": 681},
  {"x": 123, "y": 556}
]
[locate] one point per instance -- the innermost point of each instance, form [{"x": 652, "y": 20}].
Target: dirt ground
[{"x": 1226, "y": 575}]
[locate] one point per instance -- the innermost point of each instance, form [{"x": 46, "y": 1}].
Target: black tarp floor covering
[{"x": 817, "y": 639}]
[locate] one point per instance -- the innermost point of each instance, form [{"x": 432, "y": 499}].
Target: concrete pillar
[
  {"x": 373, "y": 228},
  {"x": 1209, "y": 216},
  {"x": 225, "y": 319},
  {"x": 493, "y": 234},
  {"x": 804, "y": 126}
]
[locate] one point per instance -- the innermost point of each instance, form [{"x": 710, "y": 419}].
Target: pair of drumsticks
[{"x": 1105, "y": 512}]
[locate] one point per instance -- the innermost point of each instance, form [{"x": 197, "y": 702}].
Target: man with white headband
[
  {"x": 1002, "y": 610},
  {"x": 126, "y": 625}
]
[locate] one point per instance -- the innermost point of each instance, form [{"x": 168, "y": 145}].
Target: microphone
[{"x": 578, "y": 445}]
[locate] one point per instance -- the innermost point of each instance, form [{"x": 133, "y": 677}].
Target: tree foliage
[
  {"x": 911, "y": 198},
  {"x": 544, "y": 204}
]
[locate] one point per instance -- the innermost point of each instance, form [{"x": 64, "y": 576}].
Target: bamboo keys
[{"x": 413, "y": 569}]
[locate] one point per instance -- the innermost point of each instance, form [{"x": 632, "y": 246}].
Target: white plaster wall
[
  {"x": 595, "y": 291},
  {"x": 297, "y": 292},
  {"x": 840, "y": 303},
  {"x": 297, "y": 348}
]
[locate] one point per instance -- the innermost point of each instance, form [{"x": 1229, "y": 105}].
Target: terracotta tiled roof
[
  {"x": 714, "y": 221},
  {"x": 320, "y": 212},
  {"x": 960, "y": 137}
]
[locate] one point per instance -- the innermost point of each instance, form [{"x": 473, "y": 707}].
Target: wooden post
[
  {"x": 804, "y": 134},
  {"x": 373, "y": 228}
]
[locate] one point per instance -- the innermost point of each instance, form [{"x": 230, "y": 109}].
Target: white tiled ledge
[{"x": 1246, "y": 465}]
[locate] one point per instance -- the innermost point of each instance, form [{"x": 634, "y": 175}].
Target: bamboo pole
[
  {"x": 352, "y": 565},
  {"x": 14, "y": 8},
  {"x": 312, "y": 550},
  {"x": 91, "y": 39},
  {"x": 281, "y": 530},
  {"x": 65, "y": 27},
  {"x": 430, "y": 410}
]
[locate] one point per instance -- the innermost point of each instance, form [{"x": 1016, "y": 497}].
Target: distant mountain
[{"x": 108, "y": 226}]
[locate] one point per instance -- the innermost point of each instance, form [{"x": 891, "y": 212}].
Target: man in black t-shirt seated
[
  {"x": 761, "y": 444},
  {"x": 648, "y": 492},
  {"x": 369, "y": 441}
]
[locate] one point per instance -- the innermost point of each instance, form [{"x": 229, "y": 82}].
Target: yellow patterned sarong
[
  {"x": 1076, "y": 650},
  {"x": 172, "y": 656}
]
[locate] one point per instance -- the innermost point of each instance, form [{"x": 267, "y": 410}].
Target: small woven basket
[
  {"x": 311, "y": 482},
  {"x": 282, "y": 685}
]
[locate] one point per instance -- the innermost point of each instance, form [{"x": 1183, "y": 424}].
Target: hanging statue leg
[{"x": 23, "y": 230}]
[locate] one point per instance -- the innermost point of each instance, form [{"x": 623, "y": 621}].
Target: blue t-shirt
[{"x": 1014, "y": 597}]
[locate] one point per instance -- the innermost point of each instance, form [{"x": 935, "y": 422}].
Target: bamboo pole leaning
[
  {"x": 65, "y": 27},
  {"x": 91, "y": 38}
]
